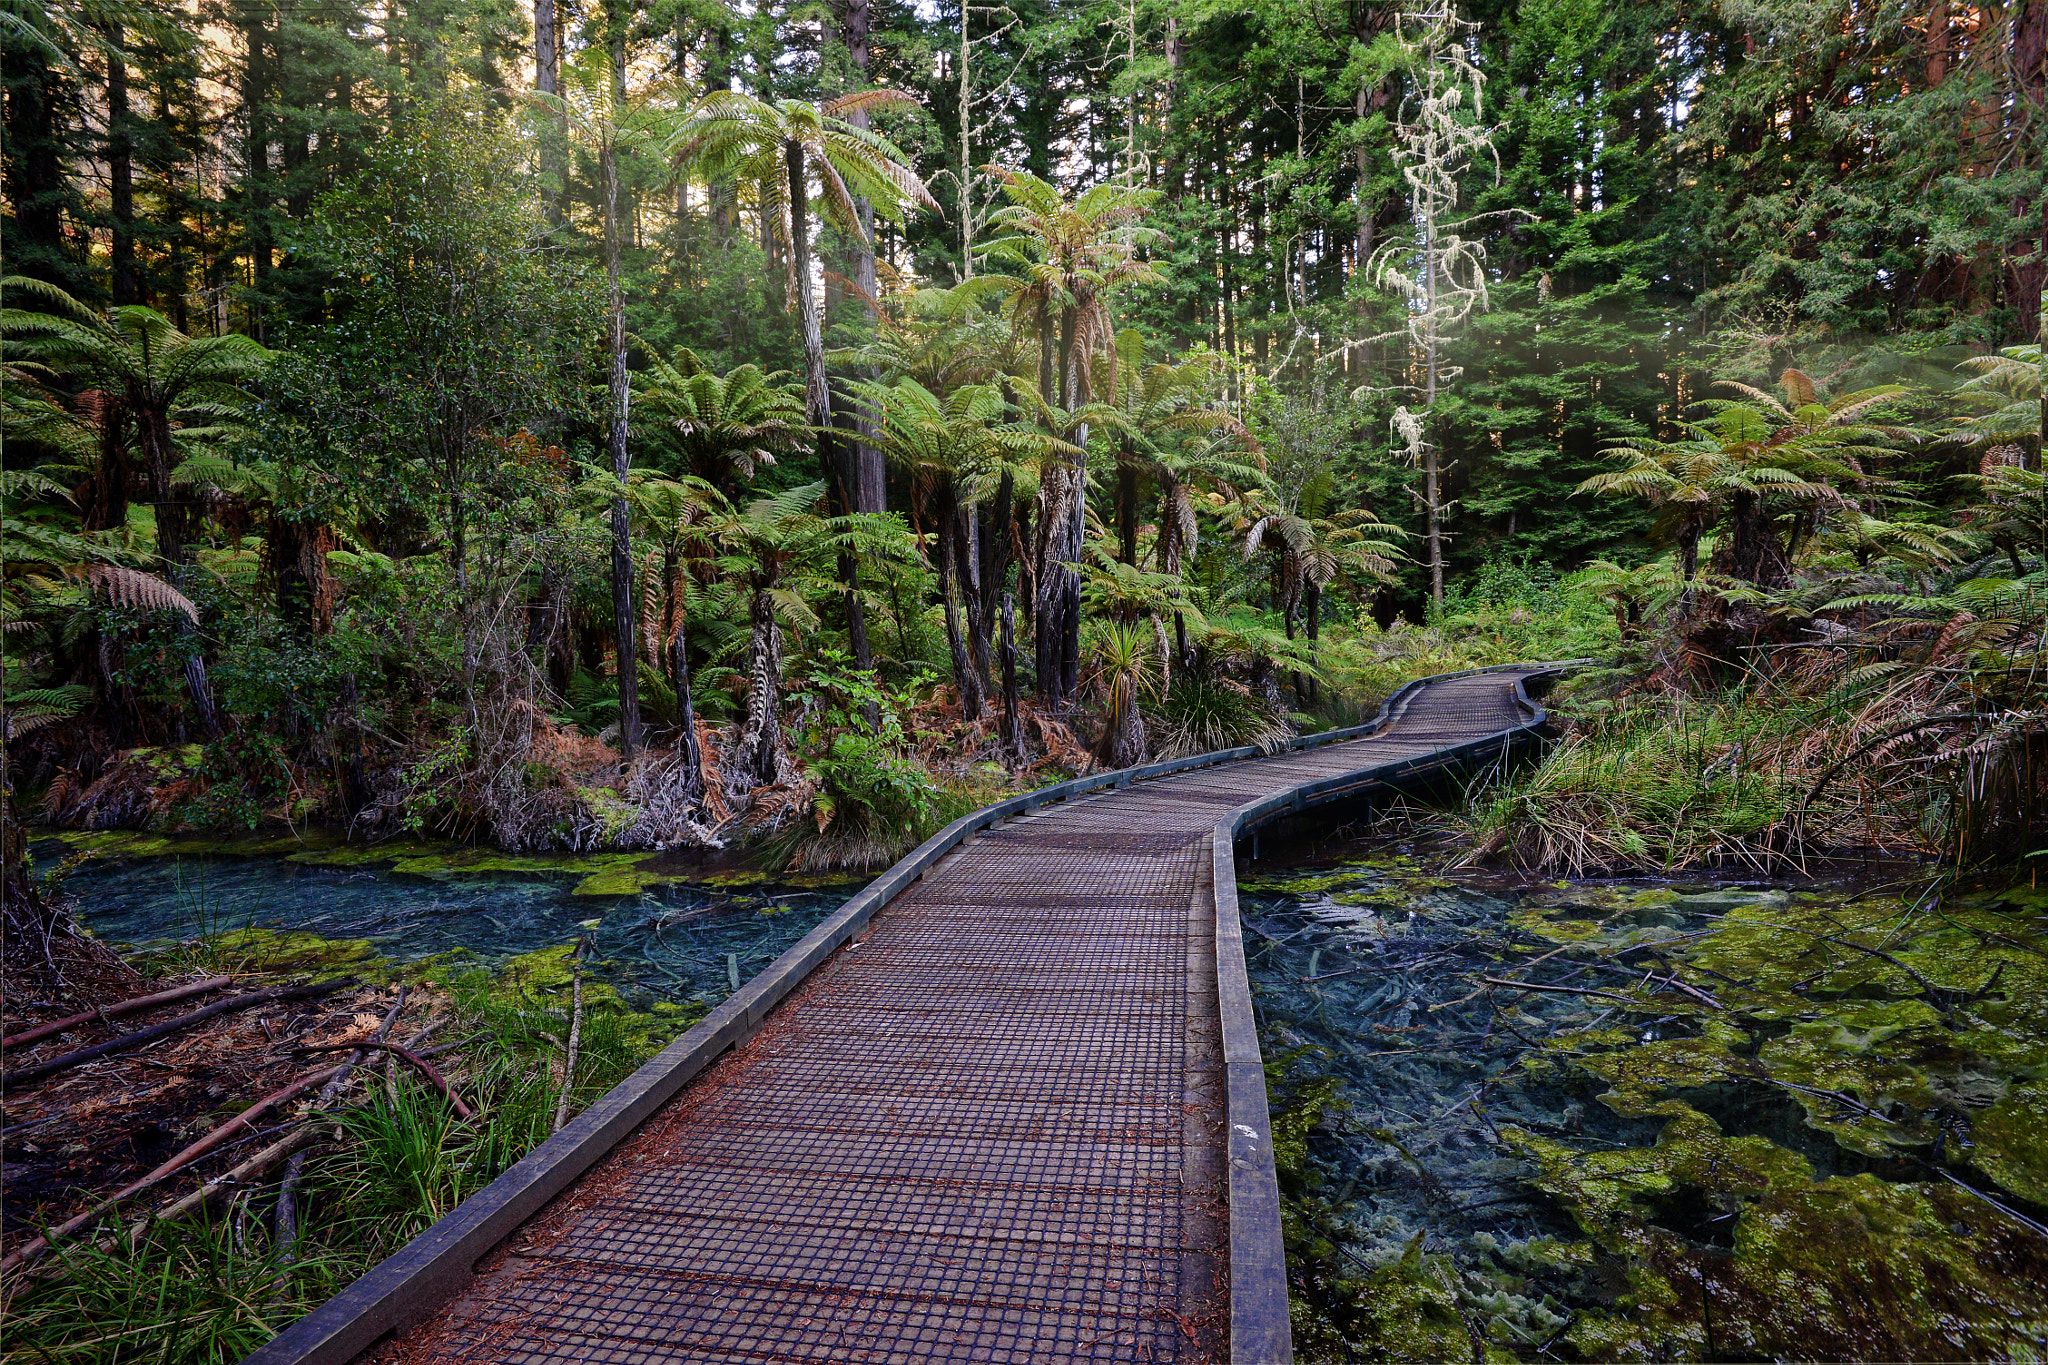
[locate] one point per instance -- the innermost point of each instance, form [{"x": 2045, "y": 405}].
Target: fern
[{"x": 126, "y": 587}]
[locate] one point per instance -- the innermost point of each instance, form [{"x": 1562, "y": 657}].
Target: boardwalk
[{"x": 996, "y": 1126}]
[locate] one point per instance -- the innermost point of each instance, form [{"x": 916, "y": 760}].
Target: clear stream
[
  {"x": 655, "y": 940},
  {"x": 1626, "y": 1120},
  {"x": 1718, "y": 1122}
]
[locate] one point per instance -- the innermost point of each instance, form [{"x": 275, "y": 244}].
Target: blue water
[{"x": 679, "y": 943}]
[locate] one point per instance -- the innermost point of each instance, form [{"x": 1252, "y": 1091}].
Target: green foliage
[
  {"x": 873, "y": 804},
  {"x": 1654, "y": 787},
  {"x": 1201, "y": 712}
]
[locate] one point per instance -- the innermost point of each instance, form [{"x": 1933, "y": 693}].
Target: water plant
[{"x": 1623, "y": 1121}]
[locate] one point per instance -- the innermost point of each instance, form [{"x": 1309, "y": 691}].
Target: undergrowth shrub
[
  {"x": 1655, "y": 783},
  {"x": 1200, "y": 712}
]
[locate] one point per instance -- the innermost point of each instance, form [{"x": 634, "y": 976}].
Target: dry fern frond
[{"x": 126, "y": 587}]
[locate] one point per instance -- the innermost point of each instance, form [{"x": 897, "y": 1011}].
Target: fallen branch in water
[
  {"x": 114, "y": 1011},
  {"x": 128, "y": 1041},
  {"x": 1563, "y": 990},
  {"x": 241, "y": 1122}
]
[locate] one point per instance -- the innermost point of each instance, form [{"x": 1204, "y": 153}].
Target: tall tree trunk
[
  {"x": 104, "y": 501},
  {"x": 1013, "y": 727},
  {"x": 1937, "y": 43},
  {"x": 967, "y": 565},
  {"x": 1127, "y": 505},
  {"x": 2029, "y": 270},
  {"x": 996, "y": 531},
  {"x": 818, "y": 393},
  {"x": 762, "y": 755},
  {"x": 547, "y": 79},
  {"x": 173, "y": 544},
  {"x": 256, "y": 95},
  {"x": 868, "y": 484},
  {"x": 38, "y": 189},
  {"x": 625, "y": 620},
  {"x": 1062, "y": 515},
  {"x": 686, "y": 705},
  {"x": 121, "y": 171},
  {"x": 1432, "y": 465},
  {"x": 966, "y": 680},
  {"x": 1074, "y": 364}
]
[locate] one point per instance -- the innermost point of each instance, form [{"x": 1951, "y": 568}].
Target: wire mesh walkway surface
[{"x": 989, "y": 1128}]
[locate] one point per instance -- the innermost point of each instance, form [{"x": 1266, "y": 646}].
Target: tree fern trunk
[
  {"x": 686, "y": 707},
  {"x": 1013, "y": 728},
  {"x": 965, "y": 680}
]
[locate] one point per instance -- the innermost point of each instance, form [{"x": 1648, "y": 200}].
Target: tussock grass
[{"x": 1655, "y": 784}]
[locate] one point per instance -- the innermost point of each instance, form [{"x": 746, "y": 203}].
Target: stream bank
[{"x": 482, "y": 966}]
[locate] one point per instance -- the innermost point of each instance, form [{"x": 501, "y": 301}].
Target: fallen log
[
  {"x": 290, "y": 1145},
  {"x": 241, "y": 1122},
  {"x": 114, "y": 1011},
  {"x": 38, "y": 1070}
]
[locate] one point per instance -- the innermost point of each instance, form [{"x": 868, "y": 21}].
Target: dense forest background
[{"x": 458, "y": 350}]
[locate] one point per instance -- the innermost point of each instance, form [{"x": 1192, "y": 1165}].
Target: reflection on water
[{"x": 674, "y": 942}]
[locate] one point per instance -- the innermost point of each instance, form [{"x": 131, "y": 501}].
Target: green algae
[
  {"x": 270, "y": 951},
  {"x": 2011, "y": 1141},
  {"x": 1887, "y": 1031},
  {"x": 126, "y": 843},
  {"x": 1823, "y": 1100}
]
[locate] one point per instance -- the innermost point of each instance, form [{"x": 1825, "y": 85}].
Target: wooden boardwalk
[{"x": 999, "y": 1124}]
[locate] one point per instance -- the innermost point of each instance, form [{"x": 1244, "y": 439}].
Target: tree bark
[
  {"x": 818, "y": 393},
  {"x": 762, "y": 755},
  {"x": 624, "y": 618},
  {"x": 965, "y": 678},
  {"x": 995, "y": 552},
  {"x": 686, "y": 705},
  {"x": 867, "y": 484},
  {"x": 121, "y": 172},
  {"x": 2029, "y": 271},
  {"x": 547, "y": 65},
  {"x": 1013, "y": 727},
  {"x": 256, "y": 167},
  {"x": 967, "y": 564}
]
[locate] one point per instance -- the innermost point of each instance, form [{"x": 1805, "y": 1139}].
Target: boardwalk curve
[{"x": 1008, "y": 1106}]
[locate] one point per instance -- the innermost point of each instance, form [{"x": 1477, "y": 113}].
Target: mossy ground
[{"x": 1822, "y": 1134}]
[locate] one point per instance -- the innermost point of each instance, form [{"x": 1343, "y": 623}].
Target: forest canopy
[{"x": 657, "y": 423}]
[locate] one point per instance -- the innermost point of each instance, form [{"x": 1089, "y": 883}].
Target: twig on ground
[
  {"x": 241, "y": 1122},
  {"x": 426, "y": 1069},
  {"x": 285, "y": 1219}
]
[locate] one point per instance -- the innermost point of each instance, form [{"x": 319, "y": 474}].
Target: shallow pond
[
  {"x": 656, "y": 939},
  {"x": 1651, "y": 1121}
]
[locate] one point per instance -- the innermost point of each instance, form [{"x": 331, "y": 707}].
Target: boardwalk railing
[
  {"x": 410, "y": 1284},
  {"x": 1259, "y": 1329}
]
